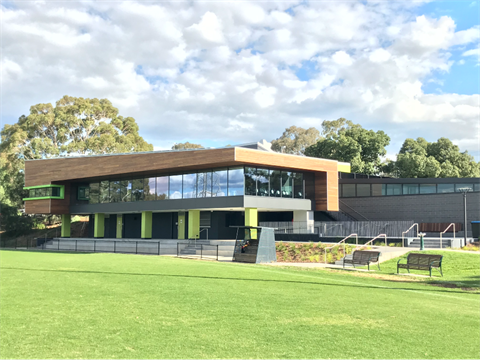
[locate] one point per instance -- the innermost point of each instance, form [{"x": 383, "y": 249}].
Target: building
[{"x": 182, "y": 194}]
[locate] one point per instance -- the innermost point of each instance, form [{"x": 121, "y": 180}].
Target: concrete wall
[{"x": 428, "y": 208}]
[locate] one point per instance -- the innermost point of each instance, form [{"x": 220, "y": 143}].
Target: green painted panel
[
  {"x": 146, "y": 224},
  {"x": 193, "y": 224},
  {"x": 251, "y": 219},
  {"x": 99, "y": 228},
  {"x": 66, "y": 220},
  {"x": 119, "y": 225}
]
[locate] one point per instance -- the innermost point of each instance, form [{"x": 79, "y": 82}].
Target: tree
[
  {"x": 295, "y": 140},
  {"x": 345, "y": 141},
  {"x": 421, "y": 159},
  {"x": 73, "y": 126},
  {"x": 186, "y": 145}
]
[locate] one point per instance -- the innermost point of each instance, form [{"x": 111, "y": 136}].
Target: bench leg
[
  {"x": 378, "y": 264},
  {"x": 441, "y": 272},
  {"x": 368, "y": 266}
]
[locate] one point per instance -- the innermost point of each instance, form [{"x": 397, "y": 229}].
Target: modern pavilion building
[{"x": 177, "y": 194}]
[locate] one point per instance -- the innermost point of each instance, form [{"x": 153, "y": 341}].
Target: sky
[{"x": 232, "y": 72}]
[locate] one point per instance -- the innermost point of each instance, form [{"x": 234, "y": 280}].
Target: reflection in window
[
  {"x": 287, "y": 188},
  {"x": 445, "y": 188},
  {"x": 137, "y": 190},
  {"x": 162, "y": 187},
  {"x": 460, "y": 187},
  {"x": 94, "y": 193},
  {"x": 104, "y": 192},
  {"x": 115, "y": 191},
  {"x": 175, "y": 190},
  {"x": 250, "y": 181},
  {"x": 263, "y": 180},
  {"x": 219, "y": 184},
  {"x": 298, "y": 185},
  {"x": 189, "y": 186},
  {"x": 348, "y": 190},
  {"x": 126, "y": 187},
  {"x": 428, "y": 188},
  {"x": 394, "y": 189},
  {"x": 204, "y": 184},
  {"x": 377, "y": 190},
  {"x": 235, "y": 181},
  {"x": 149, "y": 189},
  {"x": 476, "y": 187},
  {"x": 410, "y": 189},
  {"x": 363, "y": 189},
  {"x": 275, "y": 183}
]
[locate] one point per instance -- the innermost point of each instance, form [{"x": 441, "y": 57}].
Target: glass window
[
  {"x": 137, "y": 190},
  {"x": 175, "y": 190},
  {"x": 126, "y": 188},
  {"x": 235, "y": 181},
  {"x": 428, "y": 188},
  {"x": 189, "y": 186},
  {"x": 275, "y": 183},
  {"x": 94, "y": 193},
  {"x": 250, "y": 181},
  {"x": 410, "y": 189},
  {"x": 348, "y": 190},
  {"x": 263, "y": 180},
  {"x": 463, "y": 186},
  {"x": 298, "y": 186},
  {"x": 115, "y": 191},
  {"x": 104, "y": 191},
  {"x": 82, "y": 194},
  {"x": 162, "y": 187},
  {"x": 394, "y": 189},
  {"x": 363, "y": 189},
  {"x": 219, "y": 184},
  {"x": 204, "y": 184},
  {"x": 31, "y": 193},
  {"x": 56, "y": 191},
  {"x": 377, "y": 190},
  {"x": 149, "y": 189},
  {"x": 287, "y": 188},
  {"x": 476, "y": 187},
  {"x": 445, "y": 188}
]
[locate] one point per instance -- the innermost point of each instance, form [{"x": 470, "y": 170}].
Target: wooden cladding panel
[
  {"x": 62, "y": 206},
  {"x": 37, "y": 206},
  {"x": 42, "y": 172},
  {"x": 263, "y": 158},
  {"x": 326, "y": 191}
]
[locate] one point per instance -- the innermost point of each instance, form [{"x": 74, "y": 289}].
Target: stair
[
  {"x": 430, "y": 243},
  {"x": 250, "y": 254}
]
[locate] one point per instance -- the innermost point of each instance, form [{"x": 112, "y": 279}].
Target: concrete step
[{"x": 248, "y": 258}]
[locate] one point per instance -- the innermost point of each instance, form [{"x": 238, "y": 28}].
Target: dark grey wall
[
  {"x": 162, "y": 225},
  {"x": 132, "y": 226},
  {"x": 428, "y": 208}
]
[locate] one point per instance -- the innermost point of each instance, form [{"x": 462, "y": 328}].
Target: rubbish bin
[{"x": 476, "y": 229}]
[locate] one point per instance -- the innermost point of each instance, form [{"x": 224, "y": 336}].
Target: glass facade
[
  {"x": 356, "y": 190},
  {"x": 235, "y": 181}
]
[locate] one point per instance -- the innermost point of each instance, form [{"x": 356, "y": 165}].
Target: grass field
[{"x": 61, "y": 305}]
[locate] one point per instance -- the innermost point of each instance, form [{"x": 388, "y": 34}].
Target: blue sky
[{"x": 219, "y": 73}]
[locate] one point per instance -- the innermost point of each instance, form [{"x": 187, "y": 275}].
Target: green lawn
[{"x": 62, "y": 305}]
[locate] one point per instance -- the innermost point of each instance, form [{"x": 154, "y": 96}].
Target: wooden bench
[
  {"x": 362, "y": 257},
  {"x": 418, "y": 261}
]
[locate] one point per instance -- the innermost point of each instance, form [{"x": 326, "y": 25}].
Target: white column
[{"x": 303, "y": 222}]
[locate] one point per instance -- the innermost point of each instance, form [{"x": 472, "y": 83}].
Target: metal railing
[
  {"x": 352, "y": 209},
  {"x": 337, "y": 244},
  {"x": 444, "y": 231},
  {"x": 406, "y": 231},
  {"x": 206, "y": 251},
  {"x": 375, "y": 238},
  {"x": 204, "y": 229}
]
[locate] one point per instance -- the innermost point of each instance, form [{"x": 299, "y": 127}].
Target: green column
[
  {"x": 146, "y": 224},
  {"x": 181, "y": 226},
  {"x": 66, "y": 220},
  {"x": 99, "y": 226},
  {"x": 193, "y": 224},
  {"x": 119, "y": 225},
  {"x": 251, "y": 219}
]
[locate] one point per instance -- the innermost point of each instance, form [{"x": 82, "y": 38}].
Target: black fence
[{"x": 143, "y": 247}]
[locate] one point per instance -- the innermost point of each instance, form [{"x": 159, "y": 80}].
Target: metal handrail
[
  {"x": 337, "y": 244},
  {"x": 375, "y": 238},
  {"x": 406, "y": 231},
  {"x": 355, "y": 211},
  {"x": 444, "y": 231},
  {"x": 203, "y": 230},
  {"x": 331, "y": 227}
]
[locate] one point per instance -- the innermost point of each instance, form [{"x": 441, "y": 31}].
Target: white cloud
[{"x": 228, "y": 71}]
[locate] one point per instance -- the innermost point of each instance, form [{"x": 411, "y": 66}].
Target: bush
[{"x": 14, "y": 223}]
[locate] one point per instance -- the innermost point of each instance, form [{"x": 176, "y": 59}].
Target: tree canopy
[
  {"x": 295, "y": 140},
  {"x": 72, "y": 126},
  {"x": 421, "y": 159},
  {"x": 345, "y": 141},
  {"x": 186, "y": 145}
]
